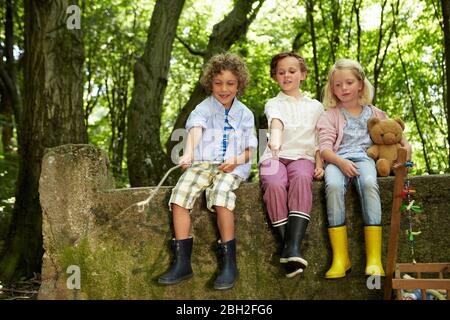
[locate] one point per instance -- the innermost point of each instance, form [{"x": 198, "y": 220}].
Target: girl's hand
[
  {"x": 349, "y": 168},
  {"x": 319, "y": 173},
  {"x": 185, "y": 161},
  {"x": 275, "y": 141},
  {"x": 228, "y": 165},
  {"x": 275, "y": 148}
]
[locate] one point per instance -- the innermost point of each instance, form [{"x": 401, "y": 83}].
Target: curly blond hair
[
  {"x": 329, "y": 98},
  {"x": 222, "y": 62}
]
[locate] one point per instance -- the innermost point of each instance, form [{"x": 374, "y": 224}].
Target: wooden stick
[
  {"x": 19, "y": 291},
  {"x": 400, "y": 173}
]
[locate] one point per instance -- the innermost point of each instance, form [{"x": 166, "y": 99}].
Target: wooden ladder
[{"x": 394, "y": 269}]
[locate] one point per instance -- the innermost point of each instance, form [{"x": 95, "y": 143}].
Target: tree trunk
[
  {"x": 337, "y": 20},
  {"x": 53, "y": 115},
  {"x": 379, "y": 60},
  {"x": 357, "y": 8},
  {"x": 6, "y": 120},
  {"x": 298, "y": 43},
  {"x": 10, "y": 101},
  {"x": 146, "y": 158},
  {"x": 333, "y": 36},
  {"x": 117, "y": 98},
  {"x": 446, "y": 16},
  {"x": 310, "y": 16},
  {"x": 233, "y": 27}
]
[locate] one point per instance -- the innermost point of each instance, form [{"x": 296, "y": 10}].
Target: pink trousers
[{"x": 287, "y": 187}]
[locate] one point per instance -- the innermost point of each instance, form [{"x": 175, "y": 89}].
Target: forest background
[{"x": 124, "y": 76}]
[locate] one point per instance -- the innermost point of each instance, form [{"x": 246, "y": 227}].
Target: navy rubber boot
[
  {"x": 181, "y": 267},
  {"x": 228, "y": 270}
]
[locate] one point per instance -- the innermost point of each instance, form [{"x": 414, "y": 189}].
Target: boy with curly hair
[{"x": 221, "y": 139}]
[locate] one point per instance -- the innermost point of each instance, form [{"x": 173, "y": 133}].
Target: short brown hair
[
  {"x": 276, "y": 58},
  {"x": 222, "y": 62}
]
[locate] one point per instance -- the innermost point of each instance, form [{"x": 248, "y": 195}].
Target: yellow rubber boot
[
  {"x": 339, "y": 244},
  {"x": 372, "y": 235}
]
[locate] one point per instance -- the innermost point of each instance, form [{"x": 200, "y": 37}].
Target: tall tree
[
  {"x": 333, "y": 36},
  {"x": 225, "y": 33},
  {"x": 310, "y": 16},
  {"x": 446, "y": 15},
  {"x": 53, "y": 115},
  {"x": 146, "y": 159},
  {"x": 117, "y": 97},
  {"x": 381, "y": 53},
  {"x": 117, "y": 88},
  {"x": 356, "y": 7},
  {"x": 11, "y": 103}
]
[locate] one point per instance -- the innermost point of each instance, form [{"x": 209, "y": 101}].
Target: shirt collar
[
  {"x": 284, "y": 96},
  {"x": 365, "y": 109},
  {"x": 235, "y": 109}
]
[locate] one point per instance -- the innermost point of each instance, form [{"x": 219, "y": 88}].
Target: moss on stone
[{"x": 121, "y": 253}]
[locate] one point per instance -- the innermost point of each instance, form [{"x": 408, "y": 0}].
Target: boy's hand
[
  {"x": 185, "y": 161},
  {"x": 318, "y": 173},
  {"x": 228, "y": 165}
]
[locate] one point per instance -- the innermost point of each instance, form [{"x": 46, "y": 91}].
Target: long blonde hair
[{"x": 329, "y": 98}]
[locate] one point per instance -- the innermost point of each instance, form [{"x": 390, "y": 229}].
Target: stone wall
[{"x": 121, "y": 252}]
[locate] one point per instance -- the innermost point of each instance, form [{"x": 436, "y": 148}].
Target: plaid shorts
[{"x": 200, "y": 176}]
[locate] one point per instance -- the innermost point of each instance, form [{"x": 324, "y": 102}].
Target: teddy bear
[{"x": 386, "y": 135}]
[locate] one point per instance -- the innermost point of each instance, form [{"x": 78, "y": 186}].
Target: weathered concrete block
[{"x": 122, "y": 252}]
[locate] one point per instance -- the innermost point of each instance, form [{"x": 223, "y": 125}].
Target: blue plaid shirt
[{"x": 225, "y": 134}]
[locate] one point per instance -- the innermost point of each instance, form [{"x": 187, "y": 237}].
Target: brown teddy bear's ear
[
  {"x": 400, "y": 122},
  {"x": 371, "y": 122}
]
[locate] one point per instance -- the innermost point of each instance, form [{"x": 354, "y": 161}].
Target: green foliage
[
  {"x": 278, "y": 23},
  {"x": 194, "y": 28},
  {"x": 8, "y": 176},
  {"x": 115, "y": 38},
  {"x": 419, "y": 43},
  {"x": 116, "y": 32},
  {"x": 5, "y": 121}
]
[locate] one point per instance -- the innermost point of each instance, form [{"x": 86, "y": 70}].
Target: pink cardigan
[{"x": 331, "y": 127}]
